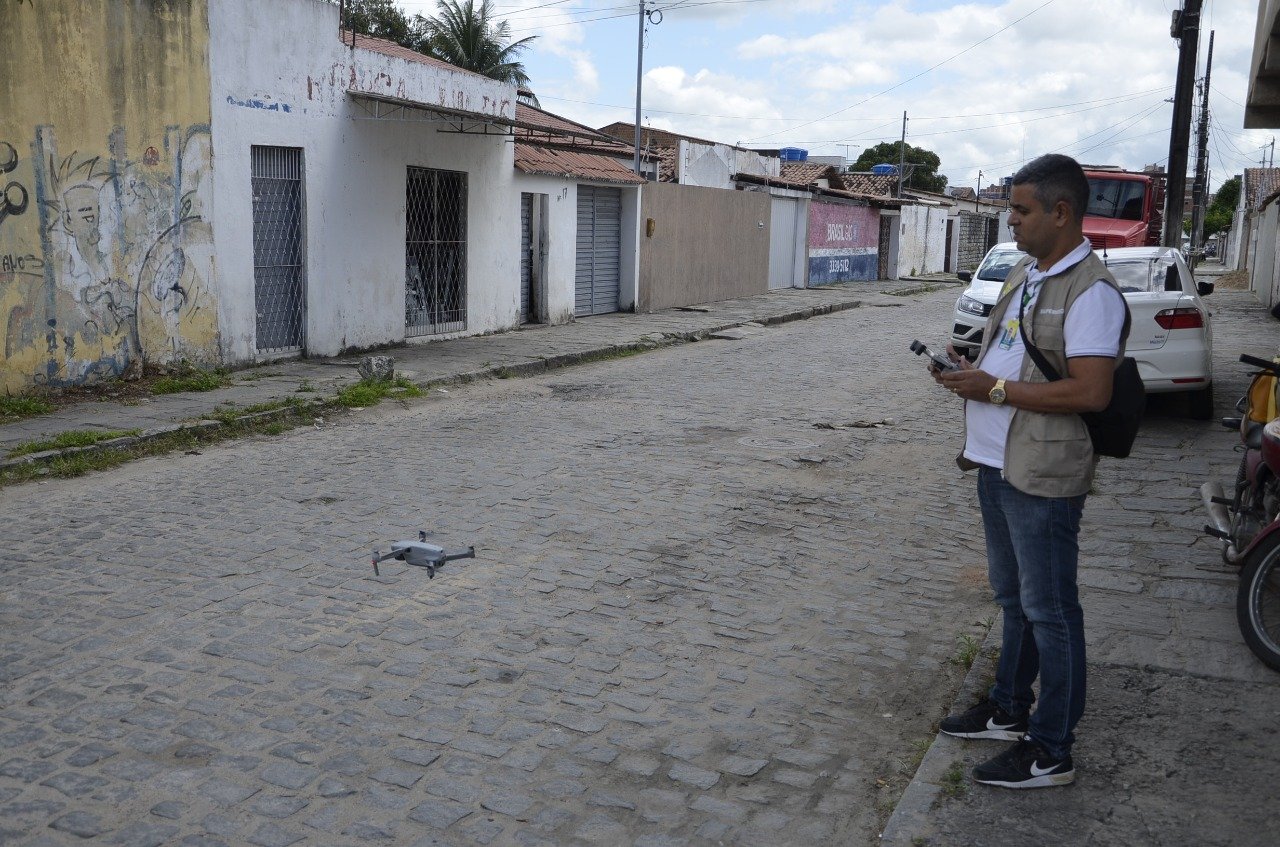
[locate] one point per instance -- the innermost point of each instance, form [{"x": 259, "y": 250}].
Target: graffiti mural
[{"x": 116, "y": 271}]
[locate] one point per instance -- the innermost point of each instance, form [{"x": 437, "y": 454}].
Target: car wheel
[{"x": 1200, "y": 403}]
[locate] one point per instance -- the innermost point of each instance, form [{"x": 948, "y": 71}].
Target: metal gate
[
  {"x": 526, "y": 257},
  {"x": 599, "y": 250},
  {"x": 887, "y": 226},
  {"x": 435, "y": 286},
  {"x": 279, "y": 278},
  {"x": 786, "y": 240}
]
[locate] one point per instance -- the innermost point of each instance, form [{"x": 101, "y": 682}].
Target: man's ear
[{"x": 1062, "y": 213}]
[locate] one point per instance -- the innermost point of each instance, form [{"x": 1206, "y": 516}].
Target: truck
[{"x": 1126, "y": 208}]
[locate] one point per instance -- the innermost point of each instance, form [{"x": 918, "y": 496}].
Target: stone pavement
[
  {"x": 716, "y": 599},
  {"x": 1178, "y": 744},
  {"x": 702, "y": 611},
  {"x": 518, "y": 353}
]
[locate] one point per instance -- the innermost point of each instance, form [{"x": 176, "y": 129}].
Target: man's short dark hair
[{"x": 1056, "y": 177}]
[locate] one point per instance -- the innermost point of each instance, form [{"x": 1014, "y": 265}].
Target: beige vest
[{"x": 1047, "y": 455}]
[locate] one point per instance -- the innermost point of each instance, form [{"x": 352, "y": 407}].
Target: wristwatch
[{"x": 996, "y": 395}]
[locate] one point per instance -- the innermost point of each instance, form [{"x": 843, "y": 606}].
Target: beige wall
[
  {"x": 106, "y": 255},
  {"x": 707, "y": 244}
]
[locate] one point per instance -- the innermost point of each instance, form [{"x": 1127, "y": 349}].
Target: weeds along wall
[{"x": 106, "y": 245}]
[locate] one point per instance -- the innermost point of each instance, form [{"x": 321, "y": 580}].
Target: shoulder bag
[{"x": 1114, "y": 429}]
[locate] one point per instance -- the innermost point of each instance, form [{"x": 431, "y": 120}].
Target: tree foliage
[
  {"x": 1218, "y": 217},
  {"x": 383, "y": 19},
  {"x": 924, "y": 176},
  {"x": 465, "y": 34}
]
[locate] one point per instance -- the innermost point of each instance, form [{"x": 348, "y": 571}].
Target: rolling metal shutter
[{"x": 599, "y": 250}]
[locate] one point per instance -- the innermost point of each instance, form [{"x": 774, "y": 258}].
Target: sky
[{"x": 986, "y": 85}]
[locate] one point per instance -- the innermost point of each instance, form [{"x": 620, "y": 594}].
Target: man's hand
[{"x": 967, "y": 383}]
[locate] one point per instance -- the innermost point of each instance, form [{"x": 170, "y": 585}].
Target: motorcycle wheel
[{"x": 1258, "y": 602}]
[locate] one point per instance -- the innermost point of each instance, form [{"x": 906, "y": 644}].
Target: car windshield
[
  {"x": 1144, "y": 274},
  {"x": 1116, "y": 198},
  {"x": 997, "y": 265}
]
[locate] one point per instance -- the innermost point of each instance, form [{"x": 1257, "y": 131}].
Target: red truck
[{"x": 1126, "y": 208}]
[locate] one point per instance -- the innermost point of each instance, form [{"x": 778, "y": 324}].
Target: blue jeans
[{"x": 1031, "y": 560}]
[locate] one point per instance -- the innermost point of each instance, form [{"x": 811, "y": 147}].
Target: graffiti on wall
[
  {"x": 843, "y": 243},
  {"x": 115, "y": 270}
]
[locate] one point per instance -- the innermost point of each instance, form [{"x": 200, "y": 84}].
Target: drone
[{"x": 420, "y": 554}]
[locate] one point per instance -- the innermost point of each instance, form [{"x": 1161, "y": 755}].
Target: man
[{"x": 1035, "y": 464}]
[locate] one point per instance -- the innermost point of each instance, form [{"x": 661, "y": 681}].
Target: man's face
[{"x": 1034, "y": 227}]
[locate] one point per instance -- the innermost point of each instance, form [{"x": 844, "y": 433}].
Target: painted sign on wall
[{"x": 843, "y": 242}]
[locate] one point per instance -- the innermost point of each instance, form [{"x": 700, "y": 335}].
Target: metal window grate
[
  {"x": 278, "y": 274},
  {"x": 435, "y": 297}
]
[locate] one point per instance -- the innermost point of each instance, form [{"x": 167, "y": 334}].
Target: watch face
[{"x": 997, "y": 396}]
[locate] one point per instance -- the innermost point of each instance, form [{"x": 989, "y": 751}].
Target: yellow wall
[{"x": 106, "y": 251}]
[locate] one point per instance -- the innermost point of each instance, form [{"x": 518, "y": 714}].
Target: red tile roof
[
  {"x": 556, "y": 161},
  {"x": 808, "y": 173},
  {"x": 864, "y": 183},
  {"x": 1258, "y": 186}
]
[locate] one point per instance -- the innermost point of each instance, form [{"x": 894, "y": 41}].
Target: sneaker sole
[
  {"x": 989, "y": 734},
  {"x": 1047, "y": 781}
]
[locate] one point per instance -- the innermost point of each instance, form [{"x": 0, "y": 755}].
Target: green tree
[
  {"x": 1218, "y": 217},
  {"x": 383, "y": 19},
  {"x": 1228, "y": 194},
  {"x": 465, "y": 34},
  {"x": 924, "y": 176}
]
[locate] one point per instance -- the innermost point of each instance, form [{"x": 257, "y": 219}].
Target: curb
[
  {"x": 909, "y": 824},
  {"x": 522, "y": 369}
]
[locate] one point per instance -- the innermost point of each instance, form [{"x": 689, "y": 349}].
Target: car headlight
[{"x": 972, "y": 306}]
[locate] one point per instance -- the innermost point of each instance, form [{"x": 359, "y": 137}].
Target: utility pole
[
  {"x": 902, "y": 154},
  {"x": 977, "y": 197},
  {"x": 1186, "y": 29},
  {"x": 1200, "y": 187},
  {"x": 639, "y": 81}
]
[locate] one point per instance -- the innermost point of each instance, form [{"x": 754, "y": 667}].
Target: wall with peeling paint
[
  {"x": 106, "y": 244},
  {"x": 281, "y": 77}
]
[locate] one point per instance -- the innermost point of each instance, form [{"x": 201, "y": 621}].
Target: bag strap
[{"x": 1050, "y": 372}]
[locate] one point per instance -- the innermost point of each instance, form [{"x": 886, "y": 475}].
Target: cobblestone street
[{"x": 716, "y": 598}]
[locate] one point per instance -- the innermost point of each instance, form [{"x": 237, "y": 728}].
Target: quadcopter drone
[{"x": 420, "y": 554}]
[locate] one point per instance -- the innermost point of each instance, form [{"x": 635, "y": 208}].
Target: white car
[{"x": 1170, "y": 337}]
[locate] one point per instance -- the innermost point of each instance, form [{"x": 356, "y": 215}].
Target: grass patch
[
  {"x": 305, "y": 387},
  {"x": 371, "y": 392},
  {"x": 23, "y": 407},
  {"x": 967, "y": 649},
  {"x": 953, "y": 782},
  {"x": 79, "y": 464},
  {"x": 919, "y": 748},
  {"x": 71, "y": 438},
  {"x": 231, "y": 414},
  {"x": 190, "y": 380}
]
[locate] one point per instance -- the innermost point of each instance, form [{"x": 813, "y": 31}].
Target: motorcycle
[{"x": 1248, "y": 522}]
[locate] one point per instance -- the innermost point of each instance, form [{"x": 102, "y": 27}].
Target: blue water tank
[
  {"x": 884, "y": 170},
  {"x": 793, "y": 154}
]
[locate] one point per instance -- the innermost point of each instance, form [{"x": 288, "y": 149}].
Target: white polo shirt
[{"x": 1091, "y": 328}]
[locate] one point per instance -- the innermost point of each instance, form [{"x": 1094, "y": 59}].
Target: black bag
[{"x": 1114, "y": 429}]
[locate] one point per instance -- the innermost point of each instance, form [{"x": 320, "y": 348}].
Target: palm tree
[{"x": 465, "y": 34}]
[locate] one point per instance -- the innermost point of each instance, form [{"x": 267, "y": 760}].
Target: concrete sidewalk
[{"x": 528, "y": 350}]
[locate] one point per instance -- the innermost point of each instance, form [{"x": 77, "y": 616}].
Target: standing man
[{"x": 1035, "y": 464}]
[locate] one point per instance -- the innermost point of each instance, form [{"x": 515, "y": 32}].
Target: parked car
[{"x": 1170, "y": 337}]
